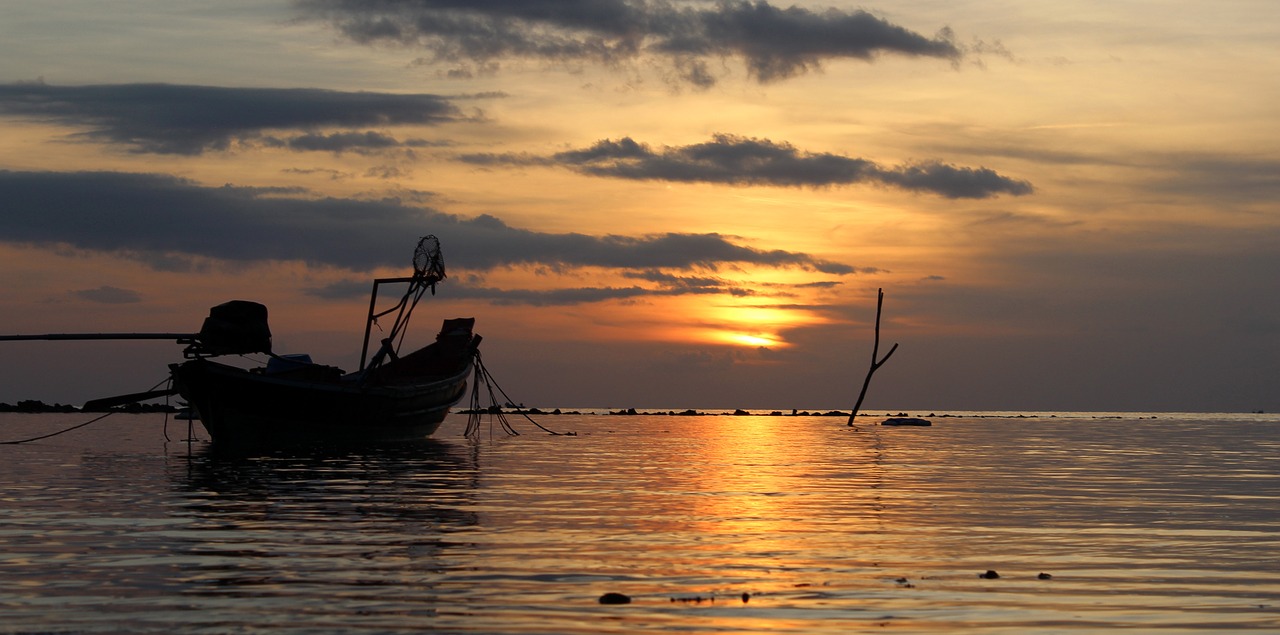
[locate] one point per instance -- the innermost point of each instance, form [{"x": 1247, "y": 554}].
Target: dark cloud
[
  {"x": 176, "y": 119},
  {"x": 735, "y": 160},
  {"x": 674, "y": 281},
  {"x": 664, "y": 284},
  {"x": 774, "y": 43},
  {"x": 584, "y": 295},
  {"x": 174, "y": 223},
  {"x": 951, "y": 181},
  {"x": 686, "y": 285},
  {"x": 366, "y": 142},
  {"x": 698, "y": 283},
  {"x": 828, "y": 284},
  {"x": 554, "y": 297}
]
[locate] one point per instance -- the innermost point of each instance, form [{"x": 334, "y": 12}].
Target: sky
[{"x": 662, "y": 203}]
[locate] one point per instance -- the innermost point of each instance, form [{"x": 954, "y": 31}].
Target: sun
[
  {"x": 753, "y": 327},
  {"x": 754, "y": 341},
  {"x": 752, "y": 322}
]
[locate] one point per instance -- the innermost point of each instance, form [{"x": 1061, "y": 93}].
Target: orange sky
[{"x": 666, "y": 205}]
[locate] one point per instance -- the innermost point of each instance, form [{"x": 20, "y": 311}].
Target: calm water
[{"x": 1154, "y": 525}]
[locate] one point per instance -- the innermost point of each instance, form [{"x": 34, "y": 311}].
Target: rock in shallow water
[
  {"x": 906, "y": 421},
  {"x": 615, "y": 598}
]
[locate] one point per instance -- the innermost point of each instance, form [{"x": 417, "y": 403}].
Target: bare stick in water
[{"x": 875, "y": 351}]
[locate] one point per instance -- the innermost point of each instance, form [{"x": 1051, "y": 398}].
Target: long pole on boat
[
  {"x": 99, "y": 336},
  {"x": 119, "y": 400}
]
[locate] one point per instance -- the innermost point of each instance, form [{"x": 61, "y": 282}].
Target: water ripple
[{"x": 713, "y": 524}]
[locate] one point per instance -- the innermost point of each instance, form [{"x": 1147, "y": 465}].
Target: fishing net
[{"x": 428, "y": 262}]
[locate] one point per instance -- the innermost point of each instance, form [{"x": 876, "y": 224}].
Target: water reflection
[
  {"x": 370, "y": 489},
  {"x": 364, "y": 526},
  {"x": 1155, "y": 525}
]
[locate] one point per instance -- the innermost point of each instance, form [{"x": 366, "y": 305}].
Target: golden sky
[{"x": 662, "y": 204}]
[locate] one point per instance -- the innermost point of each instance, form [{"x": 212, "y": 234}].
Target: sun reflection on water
[{"x": 710, "y": 523}]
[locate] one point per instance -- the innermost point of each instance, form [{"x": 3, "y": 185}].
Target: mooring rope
[
  {"x": 54, "y": 434},
  {"x": 494, "y": 410},
  {"x": 191, "y": 424},
  {"x": 476, "y": 412},
  {"x": 77, "y": 426}
]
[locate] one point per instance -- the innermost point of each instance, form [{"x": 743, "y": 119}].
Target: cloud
[
  {"x": 366, "y": 142},
  {"x": 1239, "y": 180},
  {"x": 190, "y": 120},
  {"x": 553, "y": 297},
  {"x": 174, "y": 223},
  {"x": 347, "y": 289},
  {"x": 677, "y": 282},
  {"x": 108, "y": 295},
  {"x": 735, "y": 160},
  {"x": 664, "y": 284},
  {"x": 773, "y": 43},
  {"x": 715, "y": 284}
]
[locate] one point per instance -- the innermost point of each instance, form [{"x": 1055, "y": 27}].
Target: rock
[
  {"x": 906, "y": 421},
  {"x": 615, "y": 598},
  {"x": 989, "y": 575},
  {"x": 1045, "y": 576}
]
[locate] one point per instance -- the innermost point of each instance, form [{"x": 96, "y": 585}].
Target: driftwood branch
[{"x": 875, "y": 352}]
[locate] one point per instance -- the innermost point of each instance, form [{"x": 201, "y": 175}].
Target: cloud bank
[
  {"x": 171, "y": 223},
  {"x": 191, "y": 120},
  {"x": 773, "y": 43},
  {"x": 735, "y": 160}
]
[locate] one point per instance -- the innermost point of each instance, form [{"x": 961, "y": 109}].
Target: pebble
[{"x": 615, "y": 598}]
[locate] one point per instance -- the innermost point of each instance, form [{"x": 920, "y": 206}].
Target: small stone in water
[
  {"x": 990, "y": 575},
  {"x": 1045, "y": 576},
  {"x": 615, "y": 598}
]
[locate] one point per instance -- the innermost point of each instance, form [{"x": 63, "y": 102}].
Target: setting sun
[{"x": 756, "y": 341}]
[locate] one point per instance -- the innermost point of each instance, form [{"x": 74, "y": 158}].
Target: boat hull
[{"x": 239, "y": 407}]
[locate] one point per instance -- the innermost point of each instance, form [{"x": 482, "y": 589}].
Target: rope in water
[
  {"x": 54, "y": 434},
  {"x": 484, "y": 378},
  {"x": 75, "y": 427}
]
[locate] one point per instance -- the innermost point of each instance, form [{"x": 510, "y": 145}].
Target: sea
[{"x": 984, "y": 522}]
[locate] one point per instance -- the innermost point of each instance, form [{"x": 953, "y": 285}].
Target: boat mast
[
  {"x": 373, "y": 317},
  {"x": 428, "y": 269}
]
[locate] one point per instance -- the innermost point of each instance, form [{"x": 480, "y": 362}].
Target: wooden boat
[{"x": 292, "y": 401}]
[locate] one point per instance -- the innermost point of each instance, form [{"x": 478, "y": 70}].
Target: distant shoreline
[
  {"x": 633, "y": 412},
  {"x": 35, "y": 406}
]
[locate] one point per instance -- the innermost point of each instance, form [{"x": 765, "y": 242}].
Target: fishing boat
[{"x": 291, "y": 400}]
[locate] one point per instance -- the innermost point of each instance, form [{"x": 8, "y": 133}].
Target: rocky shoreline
[{"x": 34, "y": 406}]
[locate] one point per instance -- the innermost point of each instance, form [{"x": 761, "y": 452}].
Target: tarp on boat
[{"x": 237, "y": 327}]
